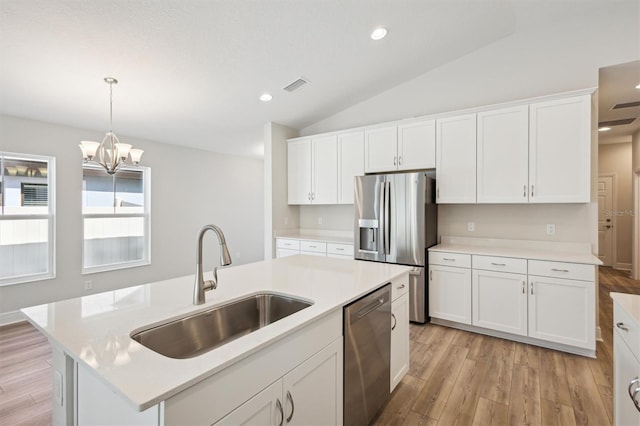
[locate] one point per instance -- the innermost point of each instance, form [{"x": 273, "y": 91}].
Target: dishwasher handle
[{"x": 370, "y": 308}]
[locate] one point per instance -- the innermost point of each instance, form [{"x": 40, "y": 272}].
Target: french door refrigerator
[{"x": 395, "y": 222}]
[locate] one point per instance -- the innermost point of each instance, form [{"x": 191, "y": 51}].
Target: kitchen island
[{"x": 102, "y": 375}]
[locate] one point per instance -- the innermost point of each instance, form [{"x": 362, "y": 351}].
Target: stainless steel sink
[{"x": 196, "y": 334}]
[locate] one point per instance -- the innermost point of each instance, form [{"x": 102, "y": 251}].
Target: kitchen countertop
[
  {"x": 95, "y": 329},
  {"x": 630, "y": 303},
  {"x": 534, "y": 250},
  {"x": 340, "y": 239}
]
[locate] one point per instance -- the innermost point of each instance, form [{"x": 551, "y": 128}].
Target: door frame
[
  {"x": 635, "y": 226},
  {"x": 614, "y": 218}
]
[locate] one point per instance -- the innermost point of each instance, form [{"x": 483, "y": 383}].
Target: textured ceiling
[
  {"x": 191, "y": 71},
  {"x": 616, "y": 86}
]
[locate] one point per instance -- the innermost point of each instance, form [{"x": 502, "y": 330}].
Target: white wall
[
  {"x": 189, "y": 188},
  {"x": 562, "y": 56},
  {"x": 335, "y": 218},
  {"x": 278, "y": 214}
]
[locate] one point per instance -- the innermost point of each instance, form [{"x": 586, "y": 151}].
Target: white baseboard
[
  {"x": 11, "y": 318},
  {"x": 623, "y": 266}
]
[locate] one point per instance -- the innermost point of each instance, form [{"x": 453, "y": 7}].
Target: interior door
[{"x": 605, "y": 219}]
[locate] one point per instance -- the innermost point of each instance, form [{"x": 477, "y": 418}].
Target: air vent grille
[
  {"x": 626, "y": 105},
  {"x": 296, "y": 85},
  {"x": 612, "y": 123}
]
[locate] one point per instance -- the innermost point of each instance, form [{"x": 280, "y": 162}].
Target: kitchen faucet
[{"x": 225, "y": 259}]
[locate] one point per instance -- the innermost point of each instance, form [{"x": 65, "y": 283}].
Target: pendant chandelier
[{"x": 111, "y": 154}]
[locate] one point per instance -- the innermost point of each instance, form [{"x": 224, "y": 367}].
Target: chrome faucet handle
[{"x": 211, "y": 284}]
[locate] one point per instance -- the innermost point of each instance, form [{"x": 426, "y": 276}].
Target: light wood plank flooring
[{"x": 456, "y": 377}]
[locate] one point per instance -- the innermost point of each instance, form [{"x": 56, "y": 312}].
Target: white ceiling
[
  {"x": 191, "y": 71},
  {"x": 616, "y": 85}
]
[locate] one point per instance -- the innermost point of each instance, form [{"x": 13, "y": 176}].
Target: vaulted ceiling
[{"x": 190, "y": 72}]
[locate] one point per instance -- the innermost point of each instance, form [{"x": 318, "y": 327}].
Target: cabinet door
[
  {"x": 625, "y": 369},
  {"x": 299, "y": 172},
  {"x": 456, "y": 160},
  {"x": 399, "y": 339},
  {"x": 350, "y": 164},
  {"x": 417, "y": 145},
  {"x": 381, "y": 149},
  {"x": 325, "y": 171},
  {"x": 263, "y": 409},
  {"x": 560, "y": 150},
  {"x": 500, "y": 301},
  {"x": 503, "y": 155},
  {"x": 286, "y": 252},
  {"x": 562, "y": 311},
  {"x": 313, "y": 391},
  {"x": 450, "y": 293}
]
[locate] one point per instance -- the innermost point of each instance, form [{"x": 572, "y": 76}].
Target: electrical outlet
[
  {"x": 319, "y": 220},
  {"x": 551, "y": 229},
  {"x": 88, "y": 285},
  {"x": 471, "y": 226}
]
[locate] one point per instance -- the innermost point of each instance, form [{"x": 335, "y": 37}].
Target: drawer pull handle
[
  {"x": 633, "y": 398},
  {"x": 312, "y": 246},
  {"x": 279, "y": 407},
  {"x": 621, "y": 326},
  {"x": 531, "y": 287},
  {"x": 293, "y": 407},
  {"x": 339, "y": 249},
  {"x": 395, "y": 322},
  {"x": 559, "y": 270},
  {"x": 448, "y": 259},
  {"x": 498, "y": 264},
  {"x": 400, "y": 287}
]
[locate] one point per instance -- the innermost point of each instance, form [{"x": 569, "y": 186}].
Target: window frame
[
  {"x": 146, "y": 215},
  {"x": 50, "y": 216}
]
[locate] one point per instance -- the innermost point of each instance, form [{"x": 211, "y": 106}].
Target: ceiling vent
[
  {"x": 296, "y": 85},
  {"x": 626, "y": 105},
  {"x": 616, "y": 122}
]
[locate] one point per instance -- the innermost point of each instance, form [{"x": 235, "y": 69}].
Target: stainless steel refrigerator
[{"x": 395, "y": 222}]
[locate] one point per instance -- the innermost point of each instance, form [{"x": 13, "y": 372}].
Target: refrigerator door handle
[
  {"x": 387, "y": 214},
  {"x": 382, "y": 230}
]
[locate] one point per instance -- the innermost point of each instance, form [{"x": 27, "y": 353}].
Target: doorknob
[
  {"x": 609, "y": 220},
  {"x": 608, "y": 226}
]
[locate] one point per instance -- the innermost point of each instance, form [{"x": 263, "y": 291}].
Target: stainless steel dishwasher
[{"x": 367, "y": 353}]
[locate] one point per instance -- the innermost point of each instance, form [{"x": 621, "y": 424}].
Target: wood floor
[{"x": 456, "y": 377}]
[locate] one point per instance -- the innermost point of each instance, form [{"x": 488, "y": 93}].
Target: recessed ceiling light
[
  {"x": 266, "y": 97},
  {"x": 638, "y": 86},
  {"x": 378, "y": 33},
  {"x": 604, "y": 129}
]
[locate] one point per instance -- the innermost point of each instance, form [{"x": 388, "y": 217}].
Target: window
[
  {"x": 27, "y": 218},
  {"x": 116, "y": 219}
]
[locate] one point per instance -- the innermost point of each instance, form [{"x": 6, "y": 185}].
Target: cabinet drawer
[
  {"x": 340, "y": 249},
  {"x": 450, "y": 259},
  {"x": 500, "y": 264},
  {"x": 574, "y": 271},
  {"x": 288, "y": 244},
  {"x": 314, "y": 246},
  {"x": 627, "y": 329},
  {"x": 399, "y": 286}
]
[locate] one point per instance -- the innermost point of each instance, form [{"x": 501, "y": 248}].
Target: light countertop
[
  {"x": 534, "y": 250},
  {"x": 301, "y": 235},
  {"x": 95, "y": 329},
  {"x": 630, "y": 303}
]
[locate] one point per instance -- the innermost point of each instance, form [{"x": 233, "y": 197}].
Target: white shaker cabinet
[
  {"x": 560, "y": 150},
  {"x": 312, "y": 166},
  {"x": 450, "y": 293},
  {"x": 500, "y": 301},
  {"x": 381, "y": 149},
  {"x": 456, "y": 160},
  {"x": 309, "y": 394},
  {"x": 399, "y": 330},
  {"x": 503, "y": 155},
  {"x": 350, "y": 164},
  {"x": 417, "y": 145}
]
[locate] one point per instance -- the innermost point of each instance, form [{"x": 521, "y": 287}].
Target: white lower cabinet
[
  {"x": 500, "y": 301},
  {"x": 310, "y": 394},
  {"x": 399, "y": 339},
  {"x": 289, "y": 247},
  {"x": 450, "y": 293},
  {"x": 562, "y": 311}
]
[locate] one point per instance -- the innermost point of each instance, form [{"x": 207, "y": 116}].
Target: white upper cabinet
[
  {"x": 313, "y": 171},
  {"x": 350, "y": 164},
  {"x": 417, "y": 145},
  {"x": 456, "y": 160},
  {"x": 560, "y": 150},
  {"x": 503, "y": 155},
  {"x": 381, "y": 149},
  {"x": 299, "y": 171},
  {"x": 408, "y": 146}
]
